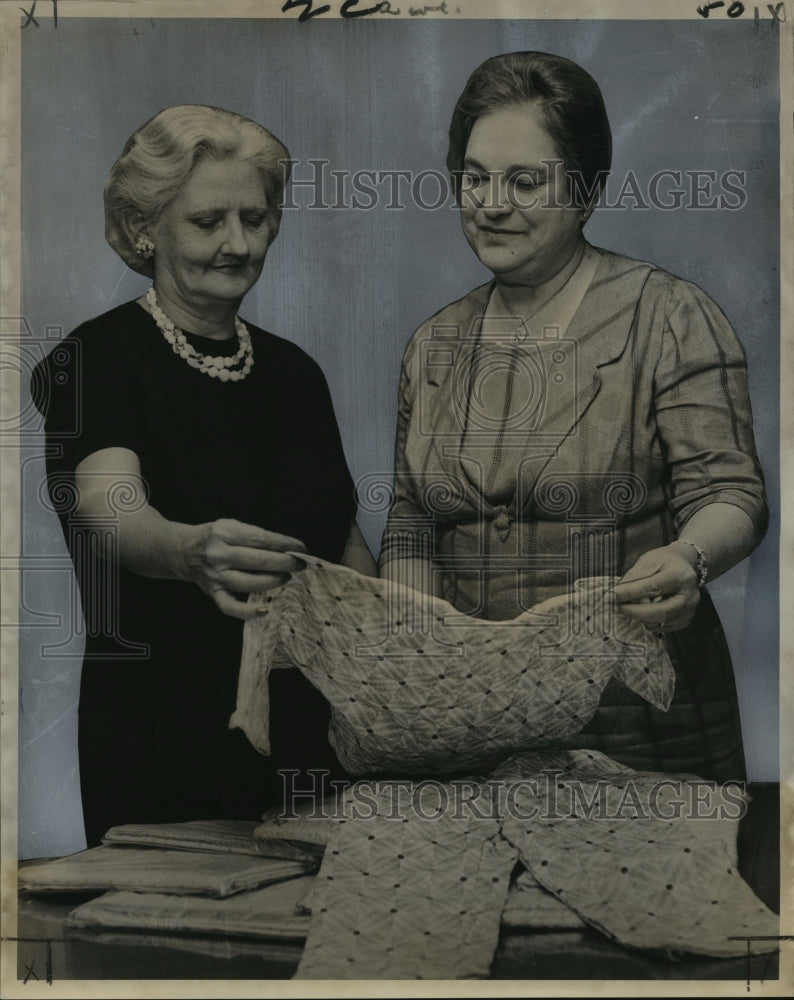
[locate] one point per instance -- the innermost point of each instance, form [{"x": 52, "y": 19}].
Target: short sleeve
[
  {"x": 703, "y": 410},
  {"x": 87, "y": 394}
]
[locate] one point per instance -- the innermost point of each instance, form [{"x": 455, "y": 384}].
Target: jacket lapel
[
  {"x": 448, "y": 356},
  {"x": 596, "y": 337}
]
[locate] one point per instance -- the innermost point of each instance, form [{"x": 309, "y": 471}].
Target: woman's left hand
[{"x": 661, "y": 588}]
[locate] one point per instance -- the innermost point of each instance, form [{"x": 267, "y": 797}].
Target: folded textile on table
[
  {"x": 417, "y": 688},
  {"x": 302, "y": 830},
  {"x": 306, "y": 823},
  {"x": 148, "y": 869},
  {"x": 225, "y": 836},
  {"x": 228, "y": 836},
  {"x": 225, "y": 949},
  {"x": 273, "y": 912}
]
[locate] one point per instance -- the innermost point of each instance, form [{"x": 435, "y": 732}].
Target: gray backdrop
[{"x": 351, "y": 285}]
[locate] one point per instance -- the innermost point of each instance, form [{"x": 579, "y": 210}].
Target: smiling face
[
  {"x": 212, "y": 238},
  {"x": 513, "y": 204}
]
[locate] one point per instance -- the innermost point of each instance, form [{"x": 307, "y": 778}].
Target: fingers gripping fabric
[{"x": 417, "y": 687}]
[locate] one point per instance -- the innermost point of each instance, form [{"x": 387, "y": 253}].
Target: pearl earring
[{"x": 144, "y": 247}]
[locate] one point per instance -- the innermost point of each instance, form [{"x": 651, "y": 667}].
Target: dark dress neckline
[{"x": 205, "y": 345}]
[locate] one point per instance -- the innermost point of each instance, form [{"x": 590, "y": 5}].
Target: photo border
[{"x": 10, "y": 234}]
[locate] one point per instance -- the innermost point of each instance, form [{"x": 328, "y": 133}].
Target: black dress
[{"x": 160, "y": 670}]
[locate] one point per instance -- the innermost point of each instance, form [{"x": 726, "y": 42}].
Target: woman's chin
[
  {"x": 501, "y": 264},
  {"x": 229, "y": 284},
  {"x": 498, "y": 259}
]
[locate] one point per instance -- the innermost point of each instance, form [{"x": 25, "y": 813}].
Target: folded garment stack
[{"x": 207, "y": 878}]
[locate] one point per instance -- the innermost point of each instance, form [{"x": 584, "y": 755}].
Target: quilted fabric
[
  {"x": 415, "y": 875},
  {"x": 649, "y": 859},
  {"x": 417, "y": 688},
  {"x": 409, "y": 898}
]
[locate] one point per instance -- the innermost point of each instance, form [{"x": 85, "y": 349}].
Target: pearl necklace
[{"x": 219, "y": 368}]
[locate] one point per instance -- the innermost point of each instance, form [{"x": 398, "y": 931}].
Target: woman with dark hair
[
  {"x": 582, "y": 414},
  {"x": 206, "y": 451}
]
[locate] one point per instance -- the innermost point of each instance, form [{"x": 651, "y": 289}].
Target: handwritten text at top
[
  {"x": 736, "y": 9},
  {"x": 351, "y": 8}
]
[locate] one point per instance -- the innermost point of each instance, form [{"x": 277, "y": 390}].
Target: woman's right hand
[{"x": 227, "y": 558}]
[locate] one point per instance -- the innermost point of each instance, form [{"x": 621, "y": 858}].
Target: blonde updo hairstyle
[{"x": 159, "y": 157}]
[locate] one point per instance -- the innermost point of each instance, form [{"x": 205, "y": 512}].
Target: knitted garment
[{"x": 417, "y": 688}]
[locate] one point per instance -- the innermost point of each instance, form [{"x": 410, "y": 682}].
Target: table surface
[{"x": 48, "y": 951}]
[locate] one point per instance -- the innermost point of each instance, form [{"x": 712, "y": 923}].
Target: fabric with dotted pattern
[
  {"x": 417, "y": 688},
  {"x": 649, "y": 859},
  {"x": 306, "y": 824},
  {"x": 418, "y": 897}
]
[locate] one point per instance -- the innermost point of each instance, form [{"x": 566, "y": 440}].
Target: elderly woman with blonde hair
[{"x": 207, "y": 451}]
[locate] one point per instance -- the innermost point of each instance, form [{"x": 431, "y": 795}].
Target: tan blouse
[{"x": 575, "y": 450}]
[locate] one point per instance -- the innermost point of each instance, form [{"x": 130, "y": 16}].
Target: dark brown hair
[{"x": 569, "y": 100}]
